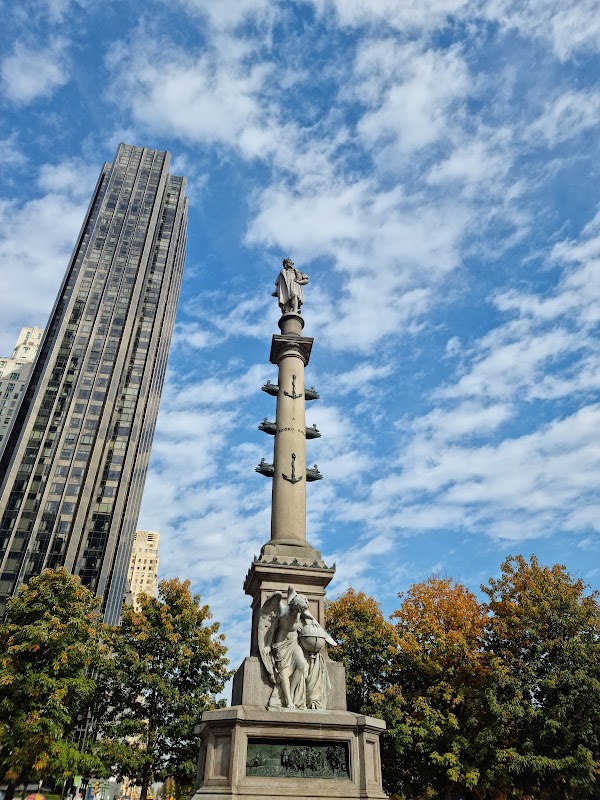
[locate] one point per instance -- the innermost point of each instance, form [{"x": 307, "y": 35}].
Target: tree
[
  {"x": 546, "y": 632},
  {"x": 167, "y": 666},
  {"x": 442, "y": 734},
  {"x": 427, "y": 676},
  {"x": 49, "y": 641},
  {"x": 367, "y": 643}
]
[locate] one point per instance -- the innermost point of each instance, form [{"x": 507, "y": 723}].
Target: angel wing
[{"x": 268, "y": 614}]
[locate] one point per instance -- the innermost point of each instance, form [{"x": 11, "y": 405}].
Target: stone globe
[{"x": 312, "y": 637}]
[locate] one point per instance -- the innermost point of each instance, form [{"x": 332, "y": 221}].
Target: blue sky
[{"x": 433, "y": 165}]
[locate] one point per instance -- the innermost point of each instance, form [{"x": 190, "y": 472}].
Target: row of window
[{"x": 91, "y": 299}]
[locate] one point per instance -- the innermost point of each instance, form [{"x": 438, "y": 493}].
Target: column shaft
[{"x": 288, "y": 515}]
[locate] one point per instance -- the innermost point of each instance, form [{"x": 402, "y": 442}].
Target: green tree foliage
[
  {"x": 167, "y": 666},
  {"x": 546, "y": 632},
  {"x": 49, "y": 640},
  {"x": 367, "y": 643},
  {"x": 444, "y": 673},
  {"x": 485, "y": 701},
  {"x": 426, "y": 676}
]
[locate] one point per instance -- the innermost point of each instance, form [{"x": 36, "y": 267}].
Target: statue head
[
  {"x": 298, "y": 603},
  {"x": 287, "y": 263}
]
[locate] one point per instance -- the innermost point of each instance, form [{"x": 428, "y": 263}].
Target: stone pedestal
[
  {"x": 248, "y": 752},
  {"x": 251, "y": 685},
  {"x": 280, "y": 565}
]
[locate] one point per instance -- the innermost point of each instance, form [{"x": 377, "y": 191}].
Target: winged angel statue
[{"x": 290, "y": 641}]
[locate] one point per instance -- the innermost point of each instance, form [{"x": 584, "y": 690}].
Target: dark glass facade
[{"x": 73, "y": 470}]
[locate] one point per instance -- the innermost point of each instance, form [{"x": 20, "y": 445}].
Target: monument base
[{"x": 248, "y": 752}]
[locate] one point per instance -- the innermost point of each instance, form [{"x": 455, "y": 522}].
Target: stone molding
[{"x": 290, "y": 345}]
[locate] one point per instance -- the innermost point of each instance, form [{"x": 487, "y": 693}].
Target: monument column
[
  {"x": 291, "y": 352},
  {"x": 288, "y": 557},
  {"x": 316, "y": 749}
]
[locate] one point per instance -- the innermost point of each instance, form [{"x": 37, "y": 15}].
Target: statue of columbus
[{"x": 289, "y": 285}]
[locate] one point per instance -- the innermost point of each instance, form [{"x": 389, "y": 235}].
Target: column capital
[{"x": 290, "y": 345}]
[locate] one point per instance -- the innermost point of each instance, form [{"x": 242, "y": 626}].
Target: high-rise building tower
[
  {"x": 143, "y": 567},
  {"x": 14, "y": 374},
  {"x": 73, "y": 469}
]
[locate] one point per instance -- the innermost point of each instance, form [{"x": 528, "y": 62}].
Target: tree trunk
[
  {"x": 146, "y": 775},
  {"x": 10, "y": 791}
]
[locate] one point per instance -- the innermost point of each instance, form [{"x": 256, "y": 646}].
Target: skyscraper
[
  {"x": 143, "y": 566},
  {"x": 73, "y": 469},
  {"x": 14, "y": 374}
]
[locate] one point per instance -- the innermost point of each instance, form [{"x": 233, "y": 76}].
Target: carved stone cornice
[{"x": 290, "y": 345}]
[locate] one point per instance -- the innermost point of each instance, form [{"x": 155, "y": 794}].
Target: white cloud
[
  {"x": 480, "y": 164},
  {"x": 230, "y": 13},
  {"x": 570, "y": 26},
  {"x": 48, "y": 11},
  {"x": 410, "y": 15},
  {"x": 364, "y": 378},
  {"x": 549, "y": 348},
  {"x": 220, "y": 390},
  {"x": 36, "y": 240},
  {"x": 190, "y": 334},
  {"x": 31, "y": 72},
  {"x": 214, "y": 97},
  {"x": 389, "y": 250},
  {"x": 419, "y": 91},
  {"x": 568, "y": 115},
  {"x": 73, "y": 176},
  {"x": 520, "y": 488},
  {"x": 354, "y": 564},
  {"x": 511, "y": 360},
  {"x": 479, "y": 461},
  {"x": 11, "y": 155},
  {"x": 467, "y": 419},
  {"x": 248, "y": 317}
]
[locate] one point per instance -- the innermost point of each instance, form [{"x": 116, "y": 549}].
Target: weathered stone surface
[
  {"x": 267, "y": 577},
  {"x": 252, "y": 687},
  {"x": 223, "y": 770}
]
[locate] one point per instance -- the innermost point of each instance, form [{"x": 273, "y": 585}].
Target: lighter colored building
[
  {"x": 14, "y": 374},
  {"x": 143, "y": 566}
]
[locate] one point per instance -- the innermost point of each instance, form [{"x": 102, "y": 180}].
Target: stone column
[{"x": 291, "y": 352}]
